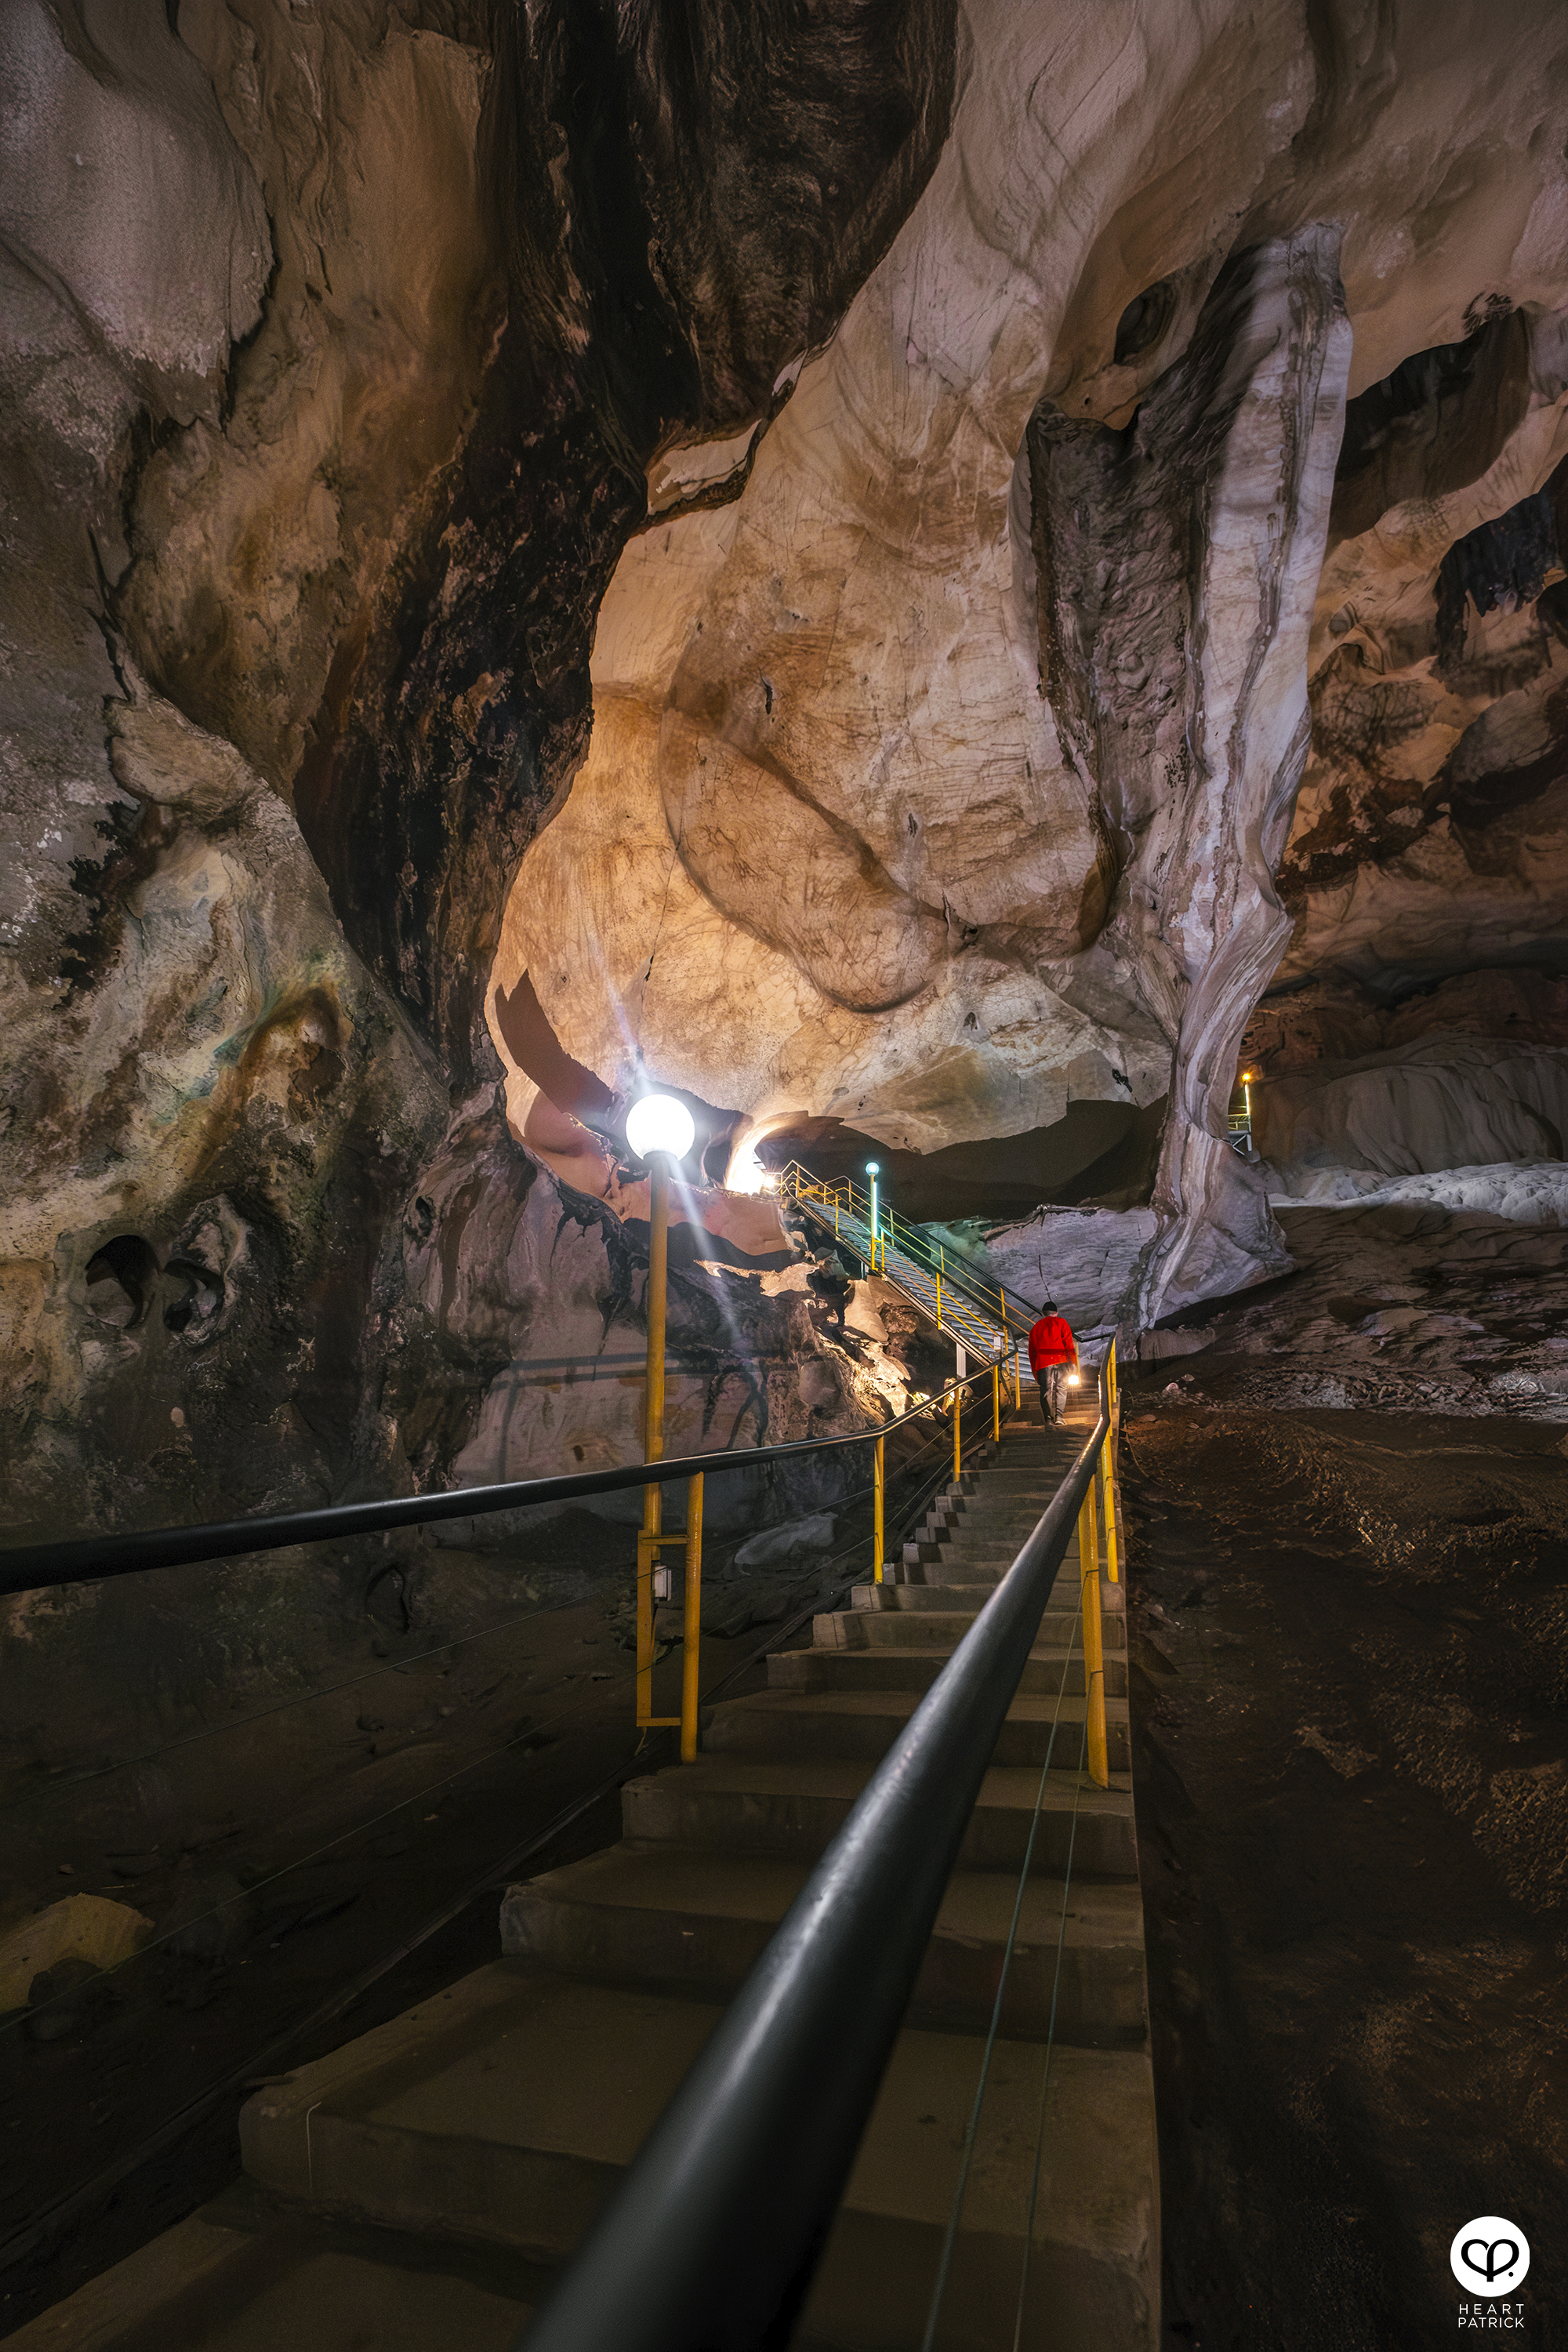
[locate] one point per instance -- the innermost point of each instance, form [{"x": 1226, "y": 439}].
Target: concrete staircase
[
  {"x": 472, "y": 2140},
  {"x": 961, "y": 1304}
]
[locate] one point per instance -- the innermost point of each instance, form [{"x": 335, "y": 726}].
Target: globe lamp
[{"x": 661, "y": 1123}]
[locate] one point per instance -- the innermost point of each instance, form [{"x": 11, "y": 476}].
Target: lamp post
[
  {"x": 873, "y": 1170},
  {"x": 660, "y": 1129}
]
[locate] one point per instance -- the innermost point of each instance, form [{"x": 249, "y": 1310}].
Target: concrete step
[
  {"x": 867, "y": 1629},
  {"x": 741, "y": 1804},
  {"x": 967, "y": 1599},
  {"x": 1000, "y": 1548},
  {"x": 926, "y": 1629},
  {"x": 995, "y": 1542},
  {"x": 502, "y": 2112},
  {"x": 944, "y": 1576},
  {"x": 864, "y": 1629},
  {"x": 985, "y": 1559},
  {"x": 917, "y": 1670},
  {"x": 962, "y": 1567},
  {"x": 246, "y": 2273},
  {"x": 864, "y": 1724},
  {"x": 945, "y": 1573},
  {"x": 681, "y": 1920}
]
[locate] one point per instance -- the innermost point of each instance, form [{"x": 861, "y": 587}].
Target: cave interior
[{"x": 978, "y": 589}]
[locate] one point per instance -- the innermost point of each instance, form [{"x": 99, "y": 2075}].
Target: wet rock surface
[{"x": 1350, "y": 1644}]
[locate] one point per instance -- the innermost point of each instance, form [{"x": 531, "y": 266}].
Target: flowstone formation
[
  {"x": 947, "y": 742},
  {"x": 894, "y": 570}
]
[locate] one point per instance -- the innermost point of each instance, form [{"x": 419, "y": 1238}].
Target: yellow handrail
[
  {"x": 960, "y": 1301},
  {"x": 1093, "y": 1641}
]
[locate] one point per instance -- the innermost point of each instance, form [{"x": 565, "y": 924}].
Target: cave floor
[{"x": 1350, "y": 1662}]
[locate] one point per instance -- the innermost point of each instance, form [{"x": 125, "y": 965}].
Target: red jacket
[{"x": 1051, "y": 1342}]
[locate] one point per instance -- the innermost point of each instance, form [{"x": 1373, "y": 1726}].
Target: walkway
[
  {"x": 963, "y": 1305},
  {"x": 416, "y": 2188}
]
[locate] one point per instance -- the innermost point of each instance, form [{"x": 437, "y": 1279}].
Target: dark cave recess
[{"x": 1101, "y": 1155}]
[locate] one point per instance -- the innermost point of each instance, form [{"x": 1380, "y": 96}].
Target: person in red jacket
[{"x": 1053, "y": 1353}]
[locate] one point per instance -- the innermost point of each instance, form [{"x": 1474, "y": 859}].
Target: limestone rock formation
[
  {"x": 878, "y": 821},
  {"x": 813, "y": 548},
  {"x": 1441, "y": 1102},
  {"x": 1397, "y": 1306}
]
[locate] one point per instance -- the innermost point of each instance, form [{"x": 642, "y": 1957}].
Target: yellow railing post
[
  {"x": 647, "y": 1553},
  {"x": 653, "y": 1425},
  {"x": 1106, "y": 1481},
  {"x": 938, "y": 1302},
  {"x": 1093, "y": 1646},
  {"x": 957, "y": 1433},
  {"x": 652, "y": 1536},
  {"x": 691, "y": 1641},
  {"x": 996, "y": 1402},
  {"x": 879, "y": 1488}
]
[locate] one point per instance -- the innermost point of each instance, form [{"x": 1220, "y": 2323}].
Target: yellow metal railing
[
  {"x": 958, "y": 1297},
  {"x": 1098, "y": 1509},
  {"x": 652, "y": 1539}
]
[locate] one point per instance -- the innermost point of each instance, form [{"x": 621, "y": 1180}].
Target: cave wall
[
  {"x": 897, "y": 810},
  {"x": 211, "y": 1107},
  {"x": 1428, "y": 835},
  {"x": 827, "y": 542},
  {"x": 1417, "y": 1022}
]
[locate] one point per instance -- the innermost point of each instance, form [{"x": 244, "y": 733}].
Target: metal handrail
[
  {"x": 715, "y": 2230},
  {"x": 82, "y": 1560}
]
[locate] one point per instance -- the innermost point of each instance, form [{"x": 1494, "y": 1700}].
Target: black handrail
[
  {"x": 83, "y": 1559},
  {"x": 715, "y": 2231}
]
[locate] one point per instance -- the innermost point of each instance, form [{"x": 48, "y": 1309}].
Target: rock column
[{"x": 1178, "y": 561}]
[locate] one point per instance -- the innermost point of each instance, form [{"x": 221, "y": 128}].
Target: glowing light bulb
[{"x": 661, "y": 1123}]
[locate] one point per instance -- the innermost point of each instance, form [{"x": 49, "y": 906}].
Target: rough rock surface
[
  {"x": 1087, "y": 1260},
  {"x": 892, "y": 567},
  {"x": 824, "y": 541},
  {"x": 1440, "y": 1102},
  {"x": 1350, "y": 1655},
  {"x": 933, "y": 952},
  {"x": 1398, "y": 1306},
  {"x": 1429, "y": 832}
]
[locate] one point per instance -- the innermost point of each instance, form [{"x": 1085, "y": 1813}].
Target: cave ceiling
[{"x": 911, "y": 566}]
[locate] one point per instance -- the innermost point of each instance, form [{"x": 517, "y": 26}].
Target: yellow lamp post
[
  {"x": 660, "y": 1129},
  {"x": 873, "y": 1168}
]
